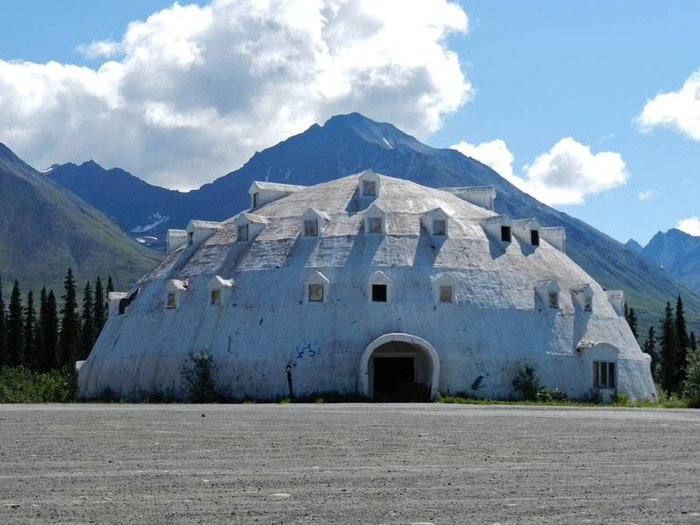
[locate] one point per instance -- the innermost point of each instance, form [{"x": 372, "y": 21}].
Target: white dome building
[{"x": 370, "y": 285}]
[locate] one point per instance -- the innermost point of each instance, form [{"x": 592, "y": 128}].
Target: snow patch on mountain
[{"x": 157, "y": 219}]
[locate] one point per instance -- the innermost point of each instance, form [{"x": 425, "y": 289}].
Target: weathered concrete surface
[{"x": 347, "y": 464}]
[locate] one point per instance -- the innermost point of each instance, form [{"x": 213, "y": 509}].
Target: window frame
[
  {"x": 380, "y": 222},
  {"x": 307, "y": 222},
  {"x": 442, "y": 233},
  {"x": 171, "y": 304},
  {"x": 219, "y": 295},
  {"x": 386, "y": 293},
  {"x": 256, "y": 199},
  {"x": 310, "y": 297},
  {"x": 506, "y": 233},
  {"x": 553, "y": 299},
  {"x": 373, "y": 184},
  {"x": 604, "y": 375},
  {"x": 243, "y": 227},
  {"x": 451, "y": 291},
  {"x": 535, "y": 237}
]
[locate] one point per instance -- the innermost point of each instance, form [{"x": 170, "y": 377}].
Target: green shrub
[
  {"x": 691, "y": 385},
  {"x": 20, "y": 385},
  {"x": 547, "y": 394},
  {"x": 527, "y": 382},
  {"x": 198, "y": 378}
]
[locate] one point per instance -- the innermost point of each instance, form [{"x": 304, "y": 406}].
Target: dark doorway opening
[{"x": 394, "y": 380}]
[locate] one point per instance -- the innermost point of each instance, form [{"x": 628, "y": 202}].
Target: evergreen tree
[
  {"x": 683, "y": 340},
  {"x": 50, "y": 349},
  {"x": 669, "y": 352},
  {"x": 650, "y": 346},
  {"x": 632, "y": 321},
  {"x": 693, "y": 342},
  {"x": 100, "y": 307},
  {"x": 38, "y": 342},
  {"x": 4, "y": 358},
  {"x": 15, "y": 321},
  {"x": 30, "y": 357},
  {"x": 70, "y": 324},
  {"x": 87, "y": 333}
]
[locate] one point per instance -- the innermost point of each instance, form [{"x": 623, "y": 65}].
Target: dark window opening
[
  {"x": 190, "y": 238},
  {"x": 505, "y": 233},
  {"x": 604, "y": 374},
  {"x": 256, "y": 200},
  {"x": 534, "y": 237},
  {"x": 379, "y": 293}
]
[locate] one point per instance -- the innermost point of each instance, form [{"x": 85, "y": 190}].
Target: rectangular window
[
  {"x": 553, "y": 300},
  {"x": 190, "y": 238},
  {"x": 369, "y": 188},
  {"x": 172, "y": 301},
  {"x": 379, "y": 293},
  {"x": 315, "y": 293},
  {"x": 505, "y": 234},
  {"x": 588, "y": 305},
  {"x": 439, "y": 227},
  {"x": 215, "y": 297},
  {"x": 534, "y": 237},
  {"x": 243, "y": 233},
  {"x": 375, "y": 225},
  {"x": 256, "y": 200},
  {"x": 446, "y": 294},
  {"x": 604, "y": 374},
  {"x": 311, "y": 228}
]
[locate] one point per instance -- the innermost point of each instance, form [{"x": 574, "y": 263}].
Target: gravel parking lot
[{"x": 347, "y": 463}]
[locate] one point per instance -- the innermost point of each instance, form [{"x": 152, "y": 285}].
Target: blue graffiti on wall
[{"x": 307, "y": 354}]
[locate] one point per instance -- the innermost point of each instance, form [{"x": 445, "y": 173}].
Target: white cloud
[
  {"x": 691, "y": 226},
  {"x": 646, "y": 195},
  {"x": 678, "y": 109},
  {"x": 196, "y": 90},
  {"x": 564, "y": 175}
]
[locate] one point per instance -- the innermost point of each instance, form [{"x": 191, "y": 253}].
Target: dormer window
[
  {"x": 375, "y": 225},
  {"x": 535, "y": 237},
  {"x": 553, "y": 299},
  {"x": 315, "y": 293},
  {"x": 256, "y": 199},
  {"x": 171, "y": 301},
  {"x": 316, "y": 288},
  {"x": 215, "y": 297},
  {"x": 243, "y": 232},
  {"x": 439, "y": 227},
  {"x": 547, "y": 295},
  {"x": 369, "y": 188},
  {"x": 190, "y": 238},
  {"x": 506, "y": 235},
  {"x": 379, "y": 293},
  {"x": 311, "y": 228},
  {"x": 446, "y": 294},
  {"x": 219, "y": 288},
  {"x": 173, "y": 292},
  {"x": 368, "y": 184},
  {"x": 378, "y": 288}
]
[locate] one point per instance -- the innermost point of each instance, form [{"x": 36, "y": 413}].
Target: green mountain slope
[{"x": 44, "y": 229}]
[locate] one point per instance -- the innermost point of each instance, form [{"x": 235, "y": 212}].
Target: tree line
[
  {"x": 40, "y": 336},
  {"x": 673, "y": 349}
]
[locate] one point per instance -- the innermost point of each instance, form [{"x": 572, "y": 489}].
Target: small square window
[
  {"x": 553, "y": 298},
  {"x": 369, "y": 188},
  {"x": 256, "y": 200},
  {"x": 171, "y": 301},
  {"x": 439, "y": 227},
  {"x": 375, "y": 225},
  {"x": 215, "y": 299},
  {"x": 446, "y": 294},
  {"x": 505, "y": 234},
  {"x": 315, "y": 293},
  {"x": 243, "y": 232},
  {"x": 534, "y": 237},
  {"x": 379, "y": 293},
  {"x": 311, "y": 228}
]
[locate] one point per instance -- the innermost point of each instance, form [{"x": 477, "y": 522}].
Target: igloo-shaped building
[{"x": 368, "y": 285}]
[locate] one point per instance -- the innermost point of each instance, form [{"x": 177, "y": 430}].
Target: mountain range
[
  {"x": 45, "y": 229},
  {"x": 675, "y": 251}
]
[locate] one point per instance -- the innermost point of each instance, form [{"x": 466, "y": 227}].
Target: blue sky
[{"x": 534, "y": 73}]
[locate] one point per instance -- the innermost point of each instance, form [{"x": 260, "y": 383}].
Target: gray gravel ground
[{"x": 347, "y": 463}]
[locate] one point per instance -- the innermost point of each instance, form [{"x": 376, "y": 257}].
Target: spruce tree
[
  {"x": 15, "y": 322},
  {"x": 669, "y": 352},
  {"x": 30, "y": 358},
  {"x": 38, "y": 343},
  {"x": 693, "y": 342},
  {"x": 87, "y": 333},
  {"x": 50, "y": 349},
  {"x": 683, "y": 340},
  {"x": 4, "y": 358},
  {"x": 632, "y": 321},
  {"x": 650, "y": 346},
  {"x": 70, "y": 324},
  {"x": 100, "y": 310}
]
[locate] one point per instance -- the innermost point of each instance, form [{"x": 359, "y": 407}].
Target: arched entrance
[{"x": 399, "y": 367}]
